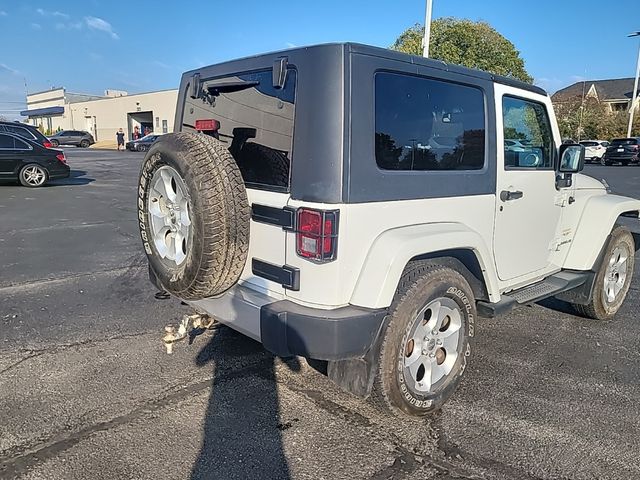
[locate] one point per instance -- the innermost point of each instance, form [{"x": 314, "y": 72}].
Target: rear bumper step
[{"x": 553, "y": 285}]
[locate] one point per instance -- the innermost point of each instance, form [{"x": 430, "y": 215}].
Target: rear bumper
[
  {"x": 286, "y": 328},
  {"x": 59, "y": 173},
  {"x": 621, "y": 158}
]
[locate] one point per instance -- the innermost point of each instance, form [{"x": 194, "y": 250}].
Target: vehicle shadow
[
  {"x": 242, "y": 435},
  {"x": 76, "y": 177}
]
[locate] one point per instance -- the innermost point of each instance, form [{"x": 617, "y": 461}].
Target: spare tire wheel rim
[
  {"x": 432, "y": 346},
  {"x": 615, "y": 275},
  {"x": 169, "y": 214}
]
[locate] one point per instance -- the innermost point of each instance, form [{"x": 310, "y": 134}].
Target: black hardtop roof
[{"x": 350, "y": 47}]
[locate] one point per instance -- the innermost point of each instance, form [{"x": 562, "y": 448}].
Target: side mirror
[{"x": 571, "y": 158}]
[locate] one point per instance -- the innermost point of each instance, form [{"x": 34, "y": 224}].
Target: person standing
[
  {"x": 136, "y": 133},
  {"x": 120, "y": 138}
]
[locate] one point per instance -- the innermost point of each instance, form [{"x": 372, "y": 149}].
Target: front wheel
[
  {"x": 427, "y": 341},
  {"x": 142, "y": 148},
  {"x": 613, "y": 277},
  {"x": 55, "y": 143}
]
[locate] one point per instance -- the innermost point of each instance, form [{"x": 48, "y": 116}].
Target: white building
[{"x": 102, "y": 116}]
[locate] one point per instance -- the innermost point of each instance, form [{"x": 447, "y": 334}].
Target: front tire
[
  {"x": 142, "y": 148},
  {"x": 33, "y": 176},
  {"x": 427, "y": 341},
  {"x": 613, "y": 278},
  {"x": 55, "y": 143}
]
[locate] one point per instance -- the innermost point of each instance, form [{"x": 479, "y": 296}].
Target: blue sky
[{"x": 90, "y": 45}]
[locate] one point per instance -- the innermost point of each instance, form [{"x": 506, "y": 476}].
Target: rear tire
[
  {"x": 192, "y": 184},
  {"x": 33, "y": 176},
  {"x": 427, "y": 341},
  {"x": 84, "y": 144},
  {"x": 142, "y": 148},
  {"x": 613, "y": 279}
]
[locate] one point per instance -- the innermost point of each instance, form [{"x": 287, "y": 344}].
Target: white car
[
  {"x": 594, "y": 150},
  {"x": 302, "y": 220}
]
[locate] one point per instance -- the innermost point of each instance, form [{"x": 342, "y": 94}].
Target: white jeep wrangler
[{"x": 362, "y": 206}]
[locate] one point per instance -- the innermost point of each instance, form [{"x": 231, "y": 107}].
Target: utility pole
[
  {"x": 427, "y": 30},
  {"x": 634, "y": 95}
]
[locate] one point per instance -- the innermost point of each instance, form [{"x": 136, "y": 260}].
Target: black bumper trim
[{"x": 287, "y": 329}]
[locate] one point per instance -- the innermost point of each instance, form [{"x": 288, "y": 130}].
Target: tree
[
  {"x": 468, "y": 43},
  {"x": 583, "y": 119}
]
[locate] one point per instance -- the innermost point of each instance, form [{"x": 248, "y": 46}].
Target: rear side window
[
  {"x": 8, "y": 142},
  {"x": 253, "y": 119},
  {"x": 425, "y": 124},
  {"x": 23, "y": 132}
]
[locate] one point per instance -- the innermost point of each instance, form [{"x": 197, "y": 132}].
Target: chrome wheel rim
[
  {"x": 34, "y": 175},
  {"x": 432, "y": 347},
  {"x": 169, "y": 210},
  {"x": 615, "y": 275}
]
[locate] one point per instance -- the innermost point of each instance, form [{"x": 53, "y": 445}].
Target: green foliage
[{"x": 468, "y": 43}]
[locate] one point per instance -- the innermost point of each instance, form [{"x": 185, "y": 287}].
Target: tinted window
[
  {"x": 253, "y": 119},
  {"x": 590, "y": 144},
  {"x": 527, "y": 123},
  {"x": 23, "y": 132},
  {"x": 424, "y": 124},
  {"x": 6, "y": 142},
  {"x": 20, "y": 145},
  {"x": 624, "y": 141}
]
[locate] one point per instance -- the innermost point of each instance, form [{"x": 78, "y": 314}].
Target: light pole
[
  {"x": 427, "y": 29},
  {"x": 635, "y": 88}
]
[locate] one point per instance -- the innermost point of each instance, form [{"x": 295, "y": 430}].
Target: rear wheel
[
  {"x": 84, "y": 143},
  {"x": 613, "y": 277},
  {"x": 143, "y": 148},
  {"x": 427, "y": 342},
  {"x": 33, "y": 175},
  {"x": 193, "y": 214}
]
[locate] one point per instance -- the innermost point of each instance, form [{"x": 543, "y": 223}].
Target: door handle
[{"x": 506, "y": 195}]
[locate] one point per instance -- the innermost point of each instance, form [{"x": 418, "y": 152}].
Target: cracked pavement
[{"x": 87, "y": 391}]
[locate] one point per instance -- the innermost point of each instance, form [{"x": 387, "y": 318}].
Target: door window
[
  {"x": 6, "y": 142},
  {"x": 527, "y": 135}
]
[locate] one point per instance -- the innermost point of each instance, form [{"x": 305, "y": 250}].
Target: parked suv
[
  {"x": 622, "y": 150},
  {"x": 594, "y": 150},
  {"x": 25, "y": 131},
  {"x": 78, "y": 138},
  {"x": 358, "y": 205}
]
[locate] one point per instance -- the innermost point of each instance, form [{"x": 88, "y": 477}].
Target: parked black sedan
[
  {"x": 142, "y": 144},
  {"x": 623, "y": 150},
  {"x": 29, "y": 162}
]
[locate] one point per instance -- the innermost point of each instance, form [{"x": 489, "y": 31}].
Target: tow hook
[{"x": 187, "y": 325}]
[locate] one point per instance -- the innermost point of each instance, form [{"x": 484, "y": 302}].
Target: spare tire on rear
[{"x": 193, "y": 214}]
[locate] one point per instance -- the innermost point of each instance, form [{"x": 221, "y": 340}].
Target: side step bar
[{"x": 550, "y": 286}]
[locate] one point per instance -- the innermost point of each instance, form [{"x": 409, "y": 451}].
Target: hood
[{"x": 585, "y": 182}]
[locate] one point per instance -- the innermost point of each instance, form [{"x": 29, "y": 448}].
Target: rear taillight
[
  {"x": 46, "y": 144},
  {"x": 61, "y": 158},
  {"x": 317, "y": 234}
]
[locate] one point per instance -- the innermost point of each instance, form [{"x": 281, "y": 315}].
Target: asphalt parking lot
[{"x": 87, "y": 391}]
